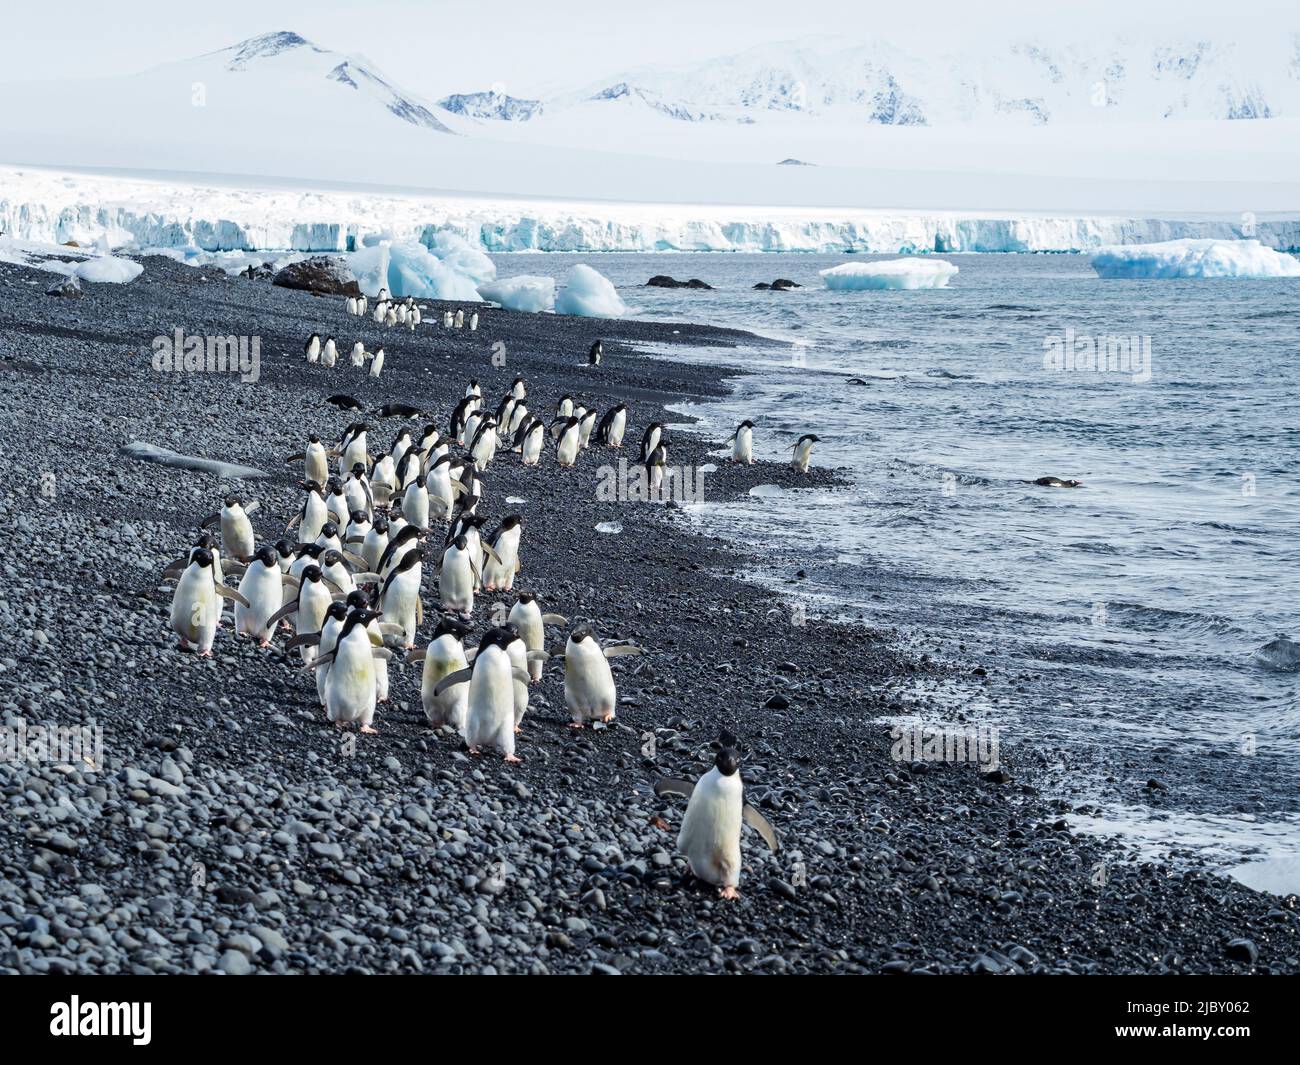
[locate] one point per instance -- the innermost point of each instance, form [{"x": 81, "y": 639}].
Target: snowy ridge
[{"x": 50, "y": 207}]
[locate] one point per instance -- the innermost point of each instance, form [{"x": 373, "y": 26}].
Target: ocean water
[{"x": 1139, "y": 609}]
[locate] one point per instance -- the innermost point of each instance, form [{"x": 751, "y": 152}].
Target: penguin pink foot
[
  {"x": 367, "y": 730},
  {"x": 728, "y": 892},
  {"x": 513, "y": 759}
]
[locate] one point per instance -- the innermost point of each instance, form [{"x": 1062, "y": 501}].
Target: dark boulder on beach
[
  {"x": 781, "y": 284},
  {"x": 323, "y": 274},
  {"x": 664, "y": 281}
]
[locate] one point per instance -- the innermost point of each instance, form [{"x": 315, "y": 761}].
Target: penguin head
[
  {"x": 311, "y": 573},
  {"x": 499, "y": 636},
  {"x": 335, "y": 486},
  {"x": 329, "y": 530},
  {"x": 310, "y": 551},
  {"x": 461, "y": 543},
  {"x": 380, "y": 524},
  {"x": 411, "y": 558},
  {"x": 331, "y": 558},
  {"x": 746, "y": 424},
  {"x": 233, "y": 501},
  {"x": 202, "y": 557},
  {"x": 205, "y": 539},
  {"x": 450, "y": 625},
  {"x": 284, "y": 549},
  {"x": 510, "y": 521},
  {"x": 358, "y": 470},
  {"x": 356, "y": 600},
  {"x": 337, "y": 611},
  {"x": 269, "y": 558},
  {"x": 582, "y": 632},
  {"x": 357, "y": 517},
  {"x": 313, "y": 438},
  {"x": 728, "y": 757},
  {"x": 526, "y": 597},
  {"x": 311, "y": 486}
]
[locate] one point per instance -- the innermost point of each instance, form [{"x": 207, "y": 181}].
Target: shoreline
[{"x": 292, "y": 855}]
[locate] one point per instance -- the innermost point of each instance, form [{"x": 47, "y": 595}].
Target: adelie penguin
[
  {"x": 377, "y": 363},
  {"x": 612, "y": 426},
  {"x": 344, "y": 402},
  {"x": 443, "y": 657},
  {"x": 1055, "y": 482},
  {"x": 236, "y": 529},
  {"x": 503, "y": 563},
  {"x": 594, "y": 355},
  {"x": 400, "y": 598},
  {"x": 653, "y": 436},
  {"x": 589, "y": 691},
  {"x": 312, "y": 348},
  {"x": 329, "y": 354},
  {"x": 490, "y": 713},
  {"x": 196, "y": 611},
  {"x": 802, "y": 449},
  {"x": 568, "y": 440},
  {"x": 358, "y": 356},
  {"x": 742, "y": 443},
  {"x": 351, "y": 689},
  {"x": 262, "y": 587},
  {"x": 314, "y": 459},
  {"x": 527, "y": 618},
  {"x": 710, "y": 833}
]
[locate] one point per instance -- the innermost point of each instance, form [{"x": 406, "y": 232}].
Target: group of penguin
[
  {"x": 346, "y": 578},
  {"x": 391, "y": 312}
]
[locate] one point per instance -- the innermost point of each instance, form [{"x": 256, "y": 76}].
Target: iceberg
[
  {"x": 411, "y": 269},
  {"x": 893, "y": 274},
  {"x": 109, "y": 269},
  {"x": 589, "y": 294},
  {"x": 1195, "y": 258},
  {"x": 522, "y": 293}
]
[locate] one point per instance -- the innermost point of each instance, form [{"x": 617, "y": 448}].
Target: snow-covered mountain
[
  {"x": 491, "y": 104},
  {"x": 1021, "y": 82}
]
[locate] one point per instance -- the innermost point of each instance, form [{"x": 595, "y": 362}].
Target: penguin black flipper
[
  {"x": 306, "y": 639},
  {"x": 760, "y": 824},
  {"x": 674, "y": 786},
  {"x": 227, "y": 592},
  {"x": 282, "y": 613},
  {"x": 461, "y": 676},
  {"x": 211, "y": 519},
  {"x": 554, "y": 619},
  {"x": 622, "y": 649}
]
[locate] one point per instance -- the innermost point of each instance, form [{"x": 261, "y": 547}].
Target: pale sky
[{"x": 527, "y": 46}]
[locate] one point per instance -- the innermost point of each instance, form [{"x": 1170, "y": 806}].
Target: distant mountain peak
[
  {"x": 492, "y": 104},
  {"x": 264, "y": 46}
]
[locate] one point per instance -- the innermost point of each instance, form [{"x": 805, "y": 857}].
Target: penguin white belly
[
  {"x": 490, "y": 715},
  {"x": 444, "y": 657},
  {"x": 617, "y": 427},
  {"x": 354, "y": 453},
  {"x": 350, "y": 687},
  {"x": 358, "y": 354},
  {"x": 532, "y": 448},
  {"x": 567, "y": 452},
  {"x": 401, "y": 601},
  {"x": 328, "y": 639},
  {"x": 519, "y": 661},
  {"x": 381, "y": 664},
  {"x": 263, "y": 587},
  {"x": 527, "y": 618},
  {"x": 456, "y": 582},
  {"x": 313, "y": 600},
  {"x": 589, "y": 692},
  {"x": 415, "y": 505},
  {"x": 373, "y": 547},
  {"x": 354, "y": 495},
  {"x": 376, "y": 364},
  {"x": 743, "y": 448},
  {"x": 438, "y": 485},
  {"x": 710, "y": 834},
  {"x": 236, "y": 533},
  {"x": 500, "y": 575},
  {"x": 316, "y": 465},
  {"x": 485, "y": 449},
  {"x": 196, "y": 609},
  {"x": 314, "y": 516}
]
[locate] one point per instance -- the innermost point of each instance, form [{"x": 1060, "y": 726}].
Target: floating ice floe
[
  {"x": 894, "y": 273},
  {"x": 522, "y": 293},
  {"x": 610, "y": 527},
  {"x": 589, "y": 294},
  {"x": 138, "y": 449},
  {"x": 410, "y": 269},
  {"x": 1195, "y": 258}
]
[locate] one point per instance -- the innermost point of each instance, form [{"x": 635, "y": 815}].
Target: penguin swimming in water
[
  {"x": 802, "y": 449},
  {"x": 594, "y": 355},
  {"x": 490, "y": 710},
  {"x": 527, "y": 617},
  {"x": 1055, "y": 482},
  {"x": 236, "y": 529},
  {"x": 742, "y": 443},
  {"x": 196, "y": 611},
  {"x": 442, "y": 657},
  {"x": 312, "y": 348},
  {"x": 710, "y": 833},
  {"x": 589, "y": 691},
  {"x": 612, "y": 426},
  {"x": 262, "y": 587}
]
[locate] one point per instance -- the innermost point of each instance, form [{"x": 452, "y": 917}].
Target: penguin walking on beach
[
  {"x": 308, "y": 608},
  {"x": 236, "y": 528},
  {"x": 710, "y": 833},
  {"x": 312, "y": 348},
  {"x": 529, "y": 439},
  {"x": 802, "y": 449},
  {"x": 441, "y": 658},
  {"x": 315, "y": 462},
  {"x": 329, "y": 354},
  {"x": 653, "y": 436},
  {"x": 399, "y": 600},
  {"x": 490, "y": 710},
  {"x": 262, "y": 587},
  {"x": 458, "y": 577},
  {"x": 742, "y": 443},
  {"x": 377, "y": 363},
  {"x": 612, "y": 426},
  {"x": 656, "y": 468},
  {"x": 594, "y": 355},
  {"x": 313, "y": 515},
  {"x": 586, "y": 423},
  {"x": 196, "y": 609},
  {"x": 351, "y": 689},
  {"x": 589, "y": 691},
  {"x": 568, "y": 440},
  {"x": 527, "y": 617},
  {"x": 503, "y": 563},
  {"x": 358, "y": 355}
]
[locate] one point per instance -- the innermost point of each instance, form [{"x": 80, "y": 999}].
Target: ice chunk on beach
[
  {"x": 411, "y": 269},
  {"x": 612, "y": 527},
  {"x": 1195, "y": 258},
  {"x": 109, "y": 269},
  {"x": 894, "y": 273},
  {"x": 522, "y": 293},
  {"x": 146, "y": 452},
  {"x": 455, "y": 251},
  {"x": 589, "y": 294}
]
